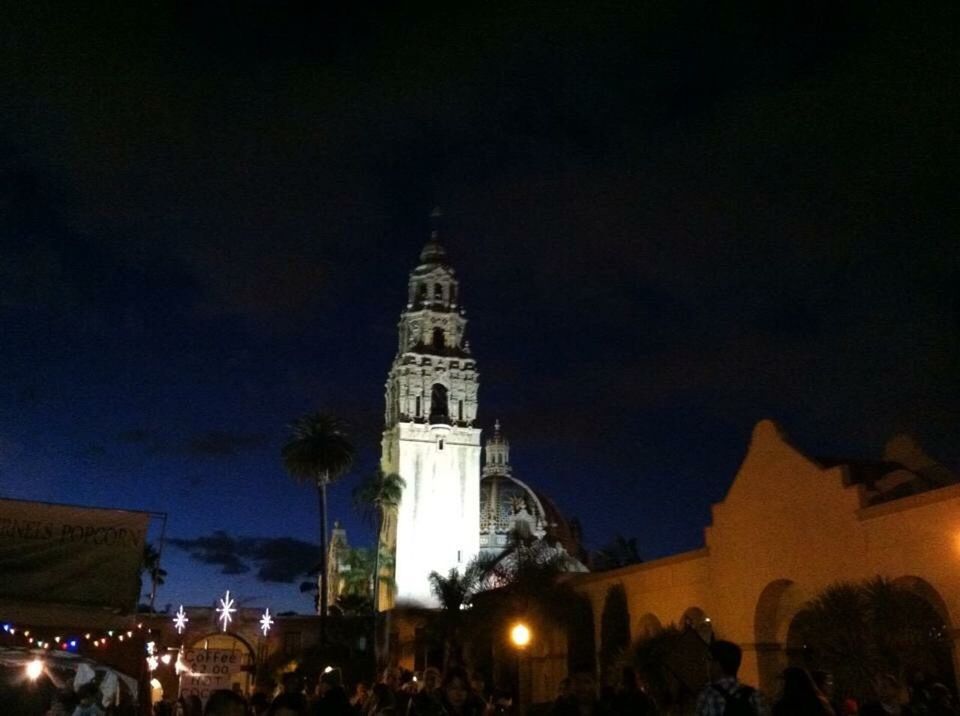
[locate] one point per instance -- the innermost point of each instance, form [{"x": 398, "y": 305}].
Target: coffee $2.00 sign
[{"x": 209, "y": 670}]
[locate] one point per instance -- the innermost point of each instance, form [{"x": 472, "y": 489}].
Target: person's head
[
  {"x": 288, "y": 705},
  {"x": 583, "y": 686},
  {"x": 456, "y": 687},
  {"x": 725, "y": 659},
  {"x": 224, "y": 702},
  {"x": 823, "y": 681},
  {"x": 391, "y": 677},
  {"x": 65, "y": 701},
  {"x": 888, "y": 688},
  {"x": 330, "y": 680},
  {"x": 361, "y": 690},
  {"x": 478, "y": 682},
  {"x": 292, "y": 682},
  {"x": 431, "y": 679},
  {"x": 383, "y": 698},
  {"x": 259, "y": 703},
  {"x": 798, "y": 687},
  {"x": 940, "y": 695},
  {"x": 87, "y": 694}
]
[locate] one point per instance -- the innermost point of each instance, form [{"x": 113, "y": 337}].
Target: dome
[
  {"x": 433, "y": 252},
  {"x": 507, "y": 505}
]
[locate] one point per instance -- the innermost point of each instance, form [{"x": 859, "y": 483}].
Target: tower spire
[{"x": 433, "y": 251}]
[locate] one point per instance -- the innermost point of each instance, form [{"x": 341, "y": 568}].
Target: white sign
[{"x": 210, "y": 670}]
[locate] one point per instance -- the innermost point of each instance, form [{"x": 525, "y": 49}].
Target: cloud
[
  {"x": 276, "y": 559},
  {"x": 133, "y": 436},
  {"x": 205, "y": 444},
  {"x": 220, "y": 443}
]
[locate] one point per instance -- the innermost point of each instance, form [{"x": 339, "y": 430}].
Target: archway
[
  {"x": 647, "y": 626},
  {"x": 777, "y": 605},
  {"x": 614, "y": 629},
  {"x": 857, "y": 630},
  {"x": 217, "y": 661},
  {"x": 439, "y": 412}
]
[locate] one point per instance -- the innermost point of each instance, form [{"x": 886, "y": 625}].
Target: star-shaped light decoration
[
  {"x": 180, "y": 620},
  {"x": 266, "y": 621},
  {"x": 225, "y": 610}
]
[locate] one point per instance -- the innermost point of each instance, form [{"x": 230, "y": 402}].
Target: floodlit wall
[
  {"x": 787, "y": 529},
  {"x": 438, "y": 520}
]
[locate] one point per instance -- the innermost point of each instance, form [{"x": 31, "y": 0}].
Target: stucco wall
[{"x": 787, "y": 529}]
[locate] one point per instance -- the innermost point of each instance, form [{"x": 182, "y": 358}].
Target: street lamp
[{"x": 520, "y": 635}]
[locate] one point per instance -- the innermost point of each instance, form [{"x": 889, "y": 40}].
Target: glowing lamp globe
[
  {"x": 34, "y": 669},
  {"x": 520, "y": 635}
]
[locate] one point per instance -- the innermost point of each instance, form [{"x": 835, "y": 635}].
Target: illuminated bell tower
[{"x": 429, "y": 438}]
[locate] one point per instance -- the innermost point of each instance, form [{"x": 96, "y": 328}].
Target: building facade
[{"x": 790, "y": 526}]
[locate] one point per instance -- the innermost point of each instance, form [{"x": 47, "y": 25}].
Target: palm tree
[
  {"x": 378, "y": 494},
  {"x": 618, "y": 553},
  {"x": 859, "y": 629},
  {"x": 151, "y": 565},
  {"x": 455, "y": 592},
  {"x": 375, "y": 497},
  {"x": 318, "y": 452}
]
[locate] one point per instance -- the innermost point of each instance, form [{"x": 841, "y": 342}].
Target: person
[
  {"x": 382, "y": 701},
  {"x": 800, "y": 696},
  {"x": 288, "y": 704},
  {"x": 501, "y": 703},
  {"x": 891, "y": 698},
  {"x": 629, "y": 699},
  {"x": 393, "y": 680},
  {"x": 426, "y": 702},
  {"x": 725, "y": 695},
  {"x": 941, "y": 701},
  {"x": 224, "y": 702},
  {"x": 478, "y": 683},
  {"x": 361, "y": 692},
  {"x": 333, "y": 699},
  {"x": 63, "y": 704},
  {"x": 455, "y": 695},
  {"x": 88, "y": 695},
  {"x": 582, "y": 699},
  {"x": 563, "y": 692},
  {"x": 259, "y": 703}
]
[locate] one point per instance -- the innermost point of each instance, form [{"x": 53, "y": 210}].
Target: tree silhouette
[{"x": 318, "y": 452}]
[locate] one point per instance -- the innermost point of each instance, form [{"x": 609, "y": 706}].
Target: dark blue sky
[{"x": 670, "y": 221}]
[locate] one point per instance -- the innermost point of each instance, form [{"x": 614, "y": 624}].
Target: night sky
[{"x": 670, "y": 220}]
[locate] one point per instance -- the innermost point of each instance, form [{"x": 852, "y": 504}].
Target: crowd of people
[
  {"x": 455, "y": 693},
  {"x": 460, "y": 693}
]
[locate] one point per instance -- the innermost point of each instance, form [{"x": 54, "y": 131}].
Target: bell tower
[{"x": 429, "y": 438}]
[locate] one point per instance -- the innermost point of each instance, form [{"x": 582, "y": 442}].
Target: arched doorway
[
  {"x": 777, "y": 605},
  {"x": 217, "y": 661},
  {"x": 859, "y": 630},
  {"x": 647, "y": 626},
  {"x": 614, "y": 631}
]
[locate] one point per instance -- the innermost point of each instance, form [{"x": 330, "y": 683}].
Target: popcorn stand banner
[{"x": 71, "y": 555}]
